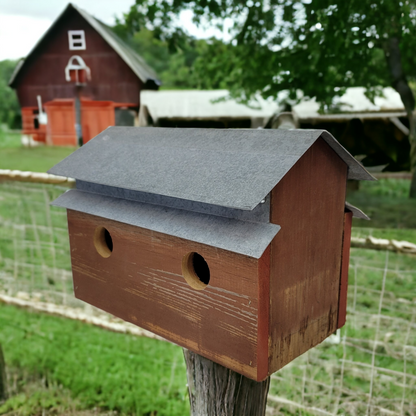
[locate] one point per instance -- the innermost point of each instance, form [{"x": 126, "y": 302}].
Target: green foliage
[
  {"x": 34, "y": 398},
  {"x": 101, "y": 369},
  {"x": 386, "y": 202},
  {"x": 389, "y": 187},
  {"x": 176, "y": 66},
  {"x": 9, "y": 106},
  {"x": 319, "y": 47}
]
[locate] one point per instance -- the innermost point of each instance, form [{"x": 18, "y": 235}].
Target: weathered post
[
  {"x": 215, "y": 390},
  {"x": 3, "y": 378},
  {"x": 233, "y": 244}
]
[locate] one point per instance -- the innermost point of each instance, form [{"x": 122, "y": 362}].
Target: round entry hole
[
  {"x": 195, "y": 270},
  {"x": 103, "y": 242}
]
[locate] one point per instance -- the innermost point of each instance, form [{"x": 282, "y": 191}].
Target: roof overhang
[{"x": 242, "y": 237}]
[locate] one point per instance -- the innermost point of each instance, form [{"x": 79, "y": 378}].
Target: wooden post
[
  {"x": 3, "y": 379},
  {"x": 217, "y": 391}
]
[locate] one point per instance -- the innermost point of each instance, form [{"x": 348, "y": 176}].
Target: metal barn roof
[
  {"x": 129, "y": 55},
  {"x": 353, "y": 104},
  {"x": 203, "y": 104},
  {"x": 230, "y": 168}
]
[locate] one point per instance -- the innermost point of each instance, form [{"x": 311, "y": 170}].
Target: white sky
[{"x": 23, "y": 22}]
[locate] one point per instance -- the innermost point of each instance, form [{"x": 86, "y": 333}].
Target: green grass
[
  {"x": 33, "y": 395},
  {"x": 101, "y": 369},
  {"x": 36, "y": 159},
  {"x": 386, "y": 202},
  {"x": 34, "y": 245}
]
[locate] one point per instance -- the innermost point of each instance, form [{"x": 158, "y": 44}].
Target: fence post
[
  {"x": 217, "y": 391},
  {"x": 3, "y": 379}
]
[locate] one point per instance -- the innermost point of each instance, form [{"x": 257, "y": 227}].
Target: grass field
[
  {"x": 61, "y": 367},
  {"x": 387, "y": 203},
  {"x": 97, "y": 367},
  {"x": 36, "y": 159}
]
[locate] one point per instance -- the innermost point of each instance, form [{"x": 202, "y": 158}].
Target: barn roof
[
  {"x": 136, "y": 63},
  {"x": 203, "y": 104},
  {"x": 229, "y": 168},
  {"x": 353, "y": 104}
]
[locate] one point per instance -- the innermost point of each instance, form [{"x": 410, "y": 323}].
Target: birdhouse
[{"x": 231, "y": 243}]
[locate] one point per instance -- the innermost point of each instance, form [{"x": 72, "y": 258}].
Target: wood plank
[
  {"x": 306, "y": 254},
  {"x": 263, "y": 316},
  {"x": 345, "y": 263},
  {"x": 141, "y": 282}
]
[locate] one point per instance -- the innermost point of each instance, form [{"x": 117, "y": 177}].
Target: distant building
[
  {"x": 377, "y": 131},
  {"x": 79, "y": 79},
  {"x": 202, "y": 108}
]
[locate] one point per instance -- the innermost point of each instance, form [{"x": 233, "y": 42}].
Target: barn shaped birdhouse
[{"x": 231, "y": 243}]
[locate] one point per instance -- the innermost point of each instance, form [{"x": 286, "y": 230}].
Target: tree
[
  {"x": 177, "y": 69},
  {"x": 9, "y": 106},
  {"x": 319, "y": 47}
]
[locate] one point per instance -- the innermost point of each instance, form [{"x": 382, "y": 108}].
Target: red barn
[{"x": 79, "y": 79}]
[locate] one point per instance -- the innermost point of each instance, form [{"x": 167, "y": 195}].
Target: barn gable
[
  {"x": 74, "y": 18},
  {"x": 118, "y": 73}
]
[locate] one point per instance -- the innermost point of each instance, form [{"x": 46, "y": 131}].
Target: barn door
[
  {"x": 60, "y": 130},
  {"x": 96, "y": 116}
]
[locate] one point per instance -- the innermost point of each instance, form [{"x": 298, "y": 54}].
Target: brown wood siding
[
  {"x": 308, "y": 204},
  {"x": 44, "y": 73},
  {"x": 345, "y": 263},
  {"x": 141, "y": 282}
]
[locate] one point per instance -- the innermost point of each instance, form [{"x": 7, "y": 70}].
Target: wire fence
[{"x": 367, "y": 368}]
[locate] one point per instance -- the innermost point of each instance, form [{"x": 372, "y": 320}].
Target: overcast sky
[{"x": 23, "y": 22}]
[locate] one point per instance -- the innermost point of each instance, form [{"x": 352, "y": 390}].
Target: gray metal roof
[
  {"x": 353, "y": 104},
  {"x": 247, "y": 238},
  {"x": 259, "y": 214},
  {"x": 356, "y": 212},
  {"x": 129, "y": 55},
  {"x": 229, "y": 168},
  {"x": 203, "y": 104}
]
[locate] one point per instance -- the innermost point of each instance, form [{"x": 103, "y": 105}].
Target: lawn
[
  {"x": 36, "y": 159},
  {"x": 387, "y": 203},
  {"x": 96, "y": 367}
]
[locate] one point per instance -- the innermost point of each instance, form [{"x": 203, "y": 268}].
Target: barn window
[{"x": 76, "y": 40}]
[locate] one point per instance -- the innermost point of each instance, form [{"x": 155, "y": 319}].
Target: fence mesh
[{"x": 367, "y": 368}]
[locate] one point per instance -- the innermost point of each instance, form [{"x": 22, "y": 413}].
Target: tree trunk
[
  {"x": 3, "y": 380},
  {"x": 400, "y": 84},
  {"x": 217, "y": 391},
  {"x": 412, "y": 193}
]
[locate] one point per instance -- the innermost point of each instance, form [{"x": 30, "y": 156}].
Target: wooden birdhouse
[{"x": 231, "y": 243}]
